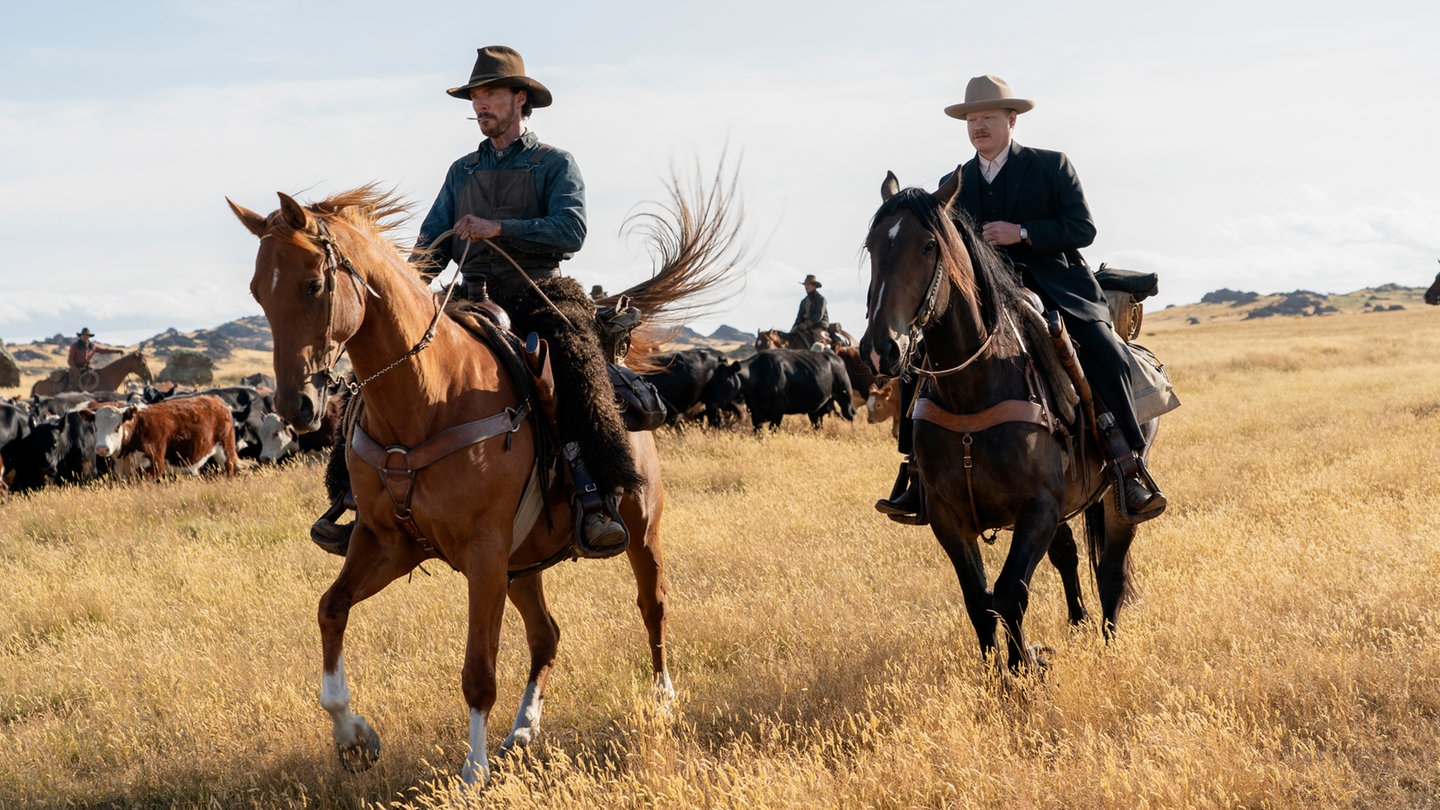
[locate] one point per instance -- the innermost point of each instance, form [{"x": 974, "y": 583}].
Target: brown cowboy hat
[
  {"x": 85, "y": 333},
  {"x": 988, "y": 93},
  {"x": 810, "y": 279},
  {"x": 501, "y": 66}
]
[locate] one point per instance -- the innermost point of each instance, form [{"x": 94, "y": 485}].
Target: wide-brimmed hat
[
  {"x": 988, "y": 93},
  {"x": 85, "y": 333},
  {"x": 501, "y": 66},
  {"x": 810, "y": 279}
]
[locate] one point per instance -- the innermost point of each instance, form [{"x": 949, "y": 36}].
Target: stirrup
[
  {"x": 905, "y": 505},
  {"x": 1142, "y": 476},
  {"x": 329, "y": 535},
  {"x": 600, "y": 534}
]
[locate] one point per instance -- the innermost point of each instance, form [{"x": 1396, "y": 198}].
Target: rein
[
  {"x": 334, "y": 262},
  {"x": 923, "y": 318}
]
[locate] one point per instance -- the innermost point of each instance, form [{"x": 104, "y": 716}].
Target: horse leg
[
  {"x": 1035, "y": 526},
  {"x": 542, "y": 635},
  {"x": 486, "y": 577},
  {"x": 367, "y": 569},
  {"x": 1065, "y": 556},
  {"x": 964, "y": 553},
  {"x": 648, "y": 565},
  {"x": 1109, "y": 539}
]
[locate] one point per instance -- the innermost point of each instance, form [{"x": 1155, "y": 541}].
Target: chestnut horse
[
  {"x": 329, "y": 279},
  {"x": 931, "y": 275},
  {"x": 107, "y": 377}
]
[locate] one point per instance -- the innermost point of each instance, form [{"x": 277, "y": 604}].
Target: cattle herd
[
  {"x": 81, "y": 436},
  {"x": 145, "y": 431}
]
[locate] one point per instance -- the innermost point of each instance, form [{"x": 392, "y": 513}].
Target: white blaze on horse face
[
  {"x": 895, "y": 230},
  {"x": 275, "y": 279}
]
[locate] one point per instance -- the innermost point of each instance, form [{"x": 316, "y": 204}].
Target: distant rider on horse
[
  {"x": 813, "y": 319},
  {"x": 82, "y": 351}
]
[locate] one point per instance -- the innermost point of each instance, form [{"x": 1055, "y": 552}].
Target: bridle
[
  {"x": 335, "y": 261},
  {"x": 925, "y": 316}
]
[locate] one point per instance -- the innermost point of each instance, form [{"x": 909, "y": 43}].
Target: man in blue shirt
[{"x": 527, "y": 199}]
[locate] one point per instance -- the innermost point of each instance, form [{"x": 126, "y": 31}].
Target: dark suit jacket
[{"x": 1043, "y": 193}]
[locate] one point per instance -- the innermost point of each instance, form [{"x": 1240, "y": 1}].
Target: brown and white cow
[
  {"x": 884, "y": 403},
  {"x": 187, "y": 432}
]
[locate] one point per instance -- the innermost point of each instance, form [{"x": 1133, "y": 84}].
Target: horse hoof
[{"x": 363, "y": 753}]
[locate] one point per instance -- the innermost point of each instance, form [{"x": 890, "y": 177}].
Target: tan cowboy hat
[
  {"x": 501, "y": 66},
  {"x": 85, "y": 333},
  {"x": 810, "y": 279},
  {"x": 988, "y": 93}
]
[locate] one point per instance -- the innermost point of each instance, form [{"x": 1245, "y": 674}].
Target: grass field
[{"x": 158, "y": 645}]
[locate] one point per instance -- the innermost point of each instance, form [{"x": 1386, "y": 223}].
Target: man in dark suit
[{"x": 1028, "y": 205}]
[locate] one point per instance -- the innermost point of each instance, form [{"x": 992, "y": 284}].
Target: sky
[{"x": 1260, "y": 146}]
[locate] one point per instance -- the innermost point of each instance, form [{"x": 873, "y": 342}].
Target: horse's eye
[
  {"x": 314, "y": 287},
  {"x": 930, "y": 247}
]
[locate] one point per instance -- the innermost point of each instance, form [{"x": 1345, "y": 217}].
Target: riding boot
[
  {"x": 906, "y": 503},
  {"x": 1140, "y": 498},
  {"x": 598, "y": 530},
  {"x": 329, "y": 535}
]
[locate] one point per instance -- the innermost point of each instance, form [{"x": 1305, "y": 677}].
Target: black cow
[
  {"x": 779, "y": 381},
  {"x": 685, "y": 383},
  {"x": 14, "y": 428},
  {"x": 60, "y": 449}
]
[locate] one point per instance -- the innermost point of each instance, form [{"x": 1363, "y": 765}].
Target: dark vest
[
  {"x": 500, "y": 194},
  {"x": 992, "y": 198}
]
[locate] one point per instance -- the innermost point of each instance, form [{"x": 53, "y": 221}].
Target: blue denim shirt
[{"x": 558, "y": 187}]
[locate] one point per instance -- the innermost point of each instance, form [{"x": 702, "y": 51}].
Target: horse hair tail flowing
[{"x": 695, "y": 246}]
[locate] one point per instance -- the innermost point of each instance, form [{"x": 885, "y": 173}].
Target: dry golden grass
[{"x": 158, "y": 643}]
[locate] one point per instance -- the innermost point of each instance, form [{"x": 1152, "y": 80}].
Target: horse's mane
[
  {"x": 372, "y": 209},
  {"x": 977, "y": 270}
]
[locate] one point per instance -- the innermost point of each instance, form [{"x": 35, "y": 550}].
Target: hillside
[{"x": 243, "y": 346}]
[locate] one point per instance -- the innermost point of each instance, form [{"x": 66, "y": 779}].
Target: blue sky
[{"x": 1257, "y": 146}]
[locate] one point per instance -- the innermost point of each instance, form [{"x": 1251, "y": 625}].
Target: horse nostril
[{"x": 307, "y": 410}]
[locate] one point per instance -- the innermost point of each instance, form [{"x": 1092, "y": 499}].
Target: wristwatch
[{"x": 1024, "y": 235}]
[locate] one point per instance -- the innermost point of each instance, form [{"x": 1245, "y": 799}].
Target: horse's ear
[
  {"x": 293, "y": 212},
  {"x": 253, "y": 222},
  {"x": 949, "y": 190},
  {"x": 890, "y": 187}
]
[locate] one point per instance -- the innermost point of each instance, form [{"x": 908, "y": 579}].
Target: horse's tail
[
  {"x": 696, "y": 246},
  {"x": 1099, "y": 518}
]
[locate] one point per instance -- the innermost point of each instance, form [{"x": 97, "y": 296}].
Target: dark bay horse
[
  {"x": 1432, "y": 295},
  {"x": 329, "y": 277},
  {"x": 107, "y": 377},
  {"x": 992, "y": 467}
]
